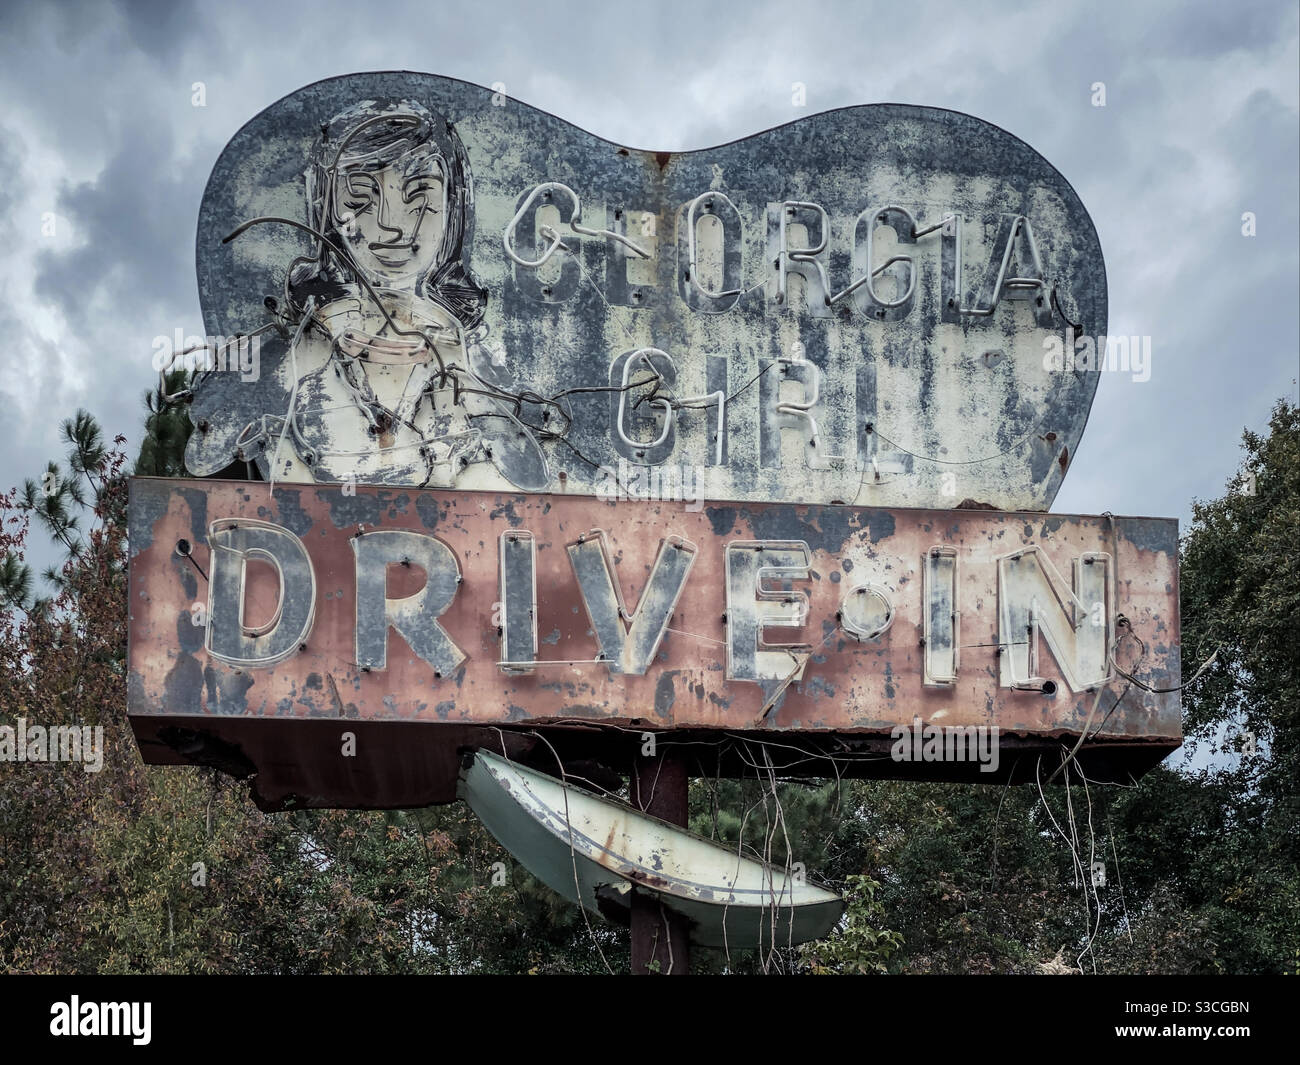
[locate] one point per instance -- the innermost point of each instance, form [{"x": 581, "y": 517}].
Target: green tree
[
  {"x": 1215, "y": 851},
  {"x": 166, "y": 428}
]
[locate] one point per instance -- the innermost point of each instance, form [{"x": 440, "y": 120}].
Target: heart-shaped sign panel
[{"x": 412, "y": 280}]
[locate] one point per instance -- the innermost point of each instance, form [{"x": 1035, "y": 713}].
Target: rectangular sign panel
[{"x": 268, "y": 625}]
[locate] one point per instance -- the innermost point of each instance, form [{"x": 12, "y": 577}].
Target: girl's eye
[{"x": 413, "y": 192}]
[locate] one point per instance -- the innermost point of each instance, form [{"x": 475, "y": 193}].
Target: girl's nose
[{"x": 393, "y": 234}]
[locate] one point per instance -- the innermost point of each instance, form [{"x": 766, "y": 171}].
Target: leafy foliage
[{"x": 858, "y": 946}]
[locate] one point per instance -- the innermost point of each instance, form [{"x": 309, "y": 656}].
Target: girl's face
[{"x": 391, "y": 220}]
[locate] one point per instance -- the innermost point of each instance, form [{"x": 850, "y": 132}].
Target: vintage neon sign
[
  {"x": 766, "y": 586},
  {"x": 451, "y": 611},
  {"x": 862, "y": 325}
]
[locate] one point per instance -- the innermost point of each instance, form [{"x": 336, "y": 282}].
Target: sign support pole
[{"x": 660, "y": 938}]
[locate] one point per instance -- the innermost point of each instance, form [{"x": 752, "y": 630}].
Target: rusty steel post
[{"x": 660, "y": 938}]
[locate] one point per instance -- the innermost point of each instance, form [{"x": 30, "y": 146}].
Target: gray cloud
[
  {"x": 1212, "y": 30},
  {"x": 156, "y": 26},
  {"x": 135, "y": 222},
  {"x": 11, "y": 166}
]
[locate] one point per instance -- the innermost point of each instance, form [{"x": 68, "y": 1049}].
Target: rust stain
[
  {"x": 851, "y": 691},
  {"x": 334, "y": 693}
]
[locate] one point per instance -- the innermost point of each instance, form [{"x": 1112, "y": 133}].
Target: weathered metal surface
[
  {"x": 852, "y": 307},
  {"x": 900, "y": 614},
  {"x": 597, "y": 853}
]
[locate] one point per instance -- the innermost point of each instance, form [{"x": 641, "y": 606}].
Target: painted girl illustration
[{"x": 388, "y": 376}]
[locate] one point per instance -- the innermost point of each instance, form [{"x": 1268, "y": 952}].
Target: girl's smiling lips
[{"x": 396, "y": 257}]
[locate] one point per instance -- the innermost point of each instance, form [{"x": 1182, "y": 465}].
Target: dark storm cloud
[
  {"x": 157, "y": 28},
  {"x": 1204, "y": 31},
  {"x": 160, "y": 28},
  {"x": 134, "y": 223},
  {"x": 75, "y": 72}
]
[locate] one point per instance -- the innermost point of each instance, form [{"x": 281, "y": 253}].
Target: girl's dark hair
[{"x": 393, "y": 127}]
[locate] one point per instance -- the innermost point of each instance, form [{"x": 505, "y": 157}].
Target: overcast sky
[{"x": 98, "y": 132}]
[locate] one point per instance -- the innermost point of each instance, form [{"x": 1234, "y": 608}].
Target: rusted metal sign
[
  {"x": 265, "y": 625},
  {"x": 443, "y": 287}
]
